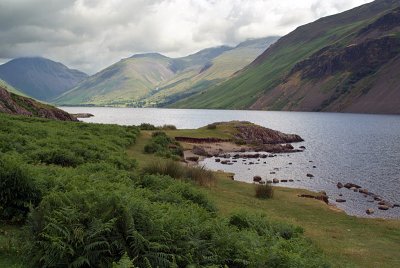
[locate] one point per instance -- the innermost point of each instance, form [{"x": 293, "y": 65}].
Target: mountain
[
  {"x": 40, "y": 78},
  {"x": 11, "y": 103},
  {"x": 348, "y": 62},
  {"x": 211, "y": 73},
  {"x": 156, "y": 80}
]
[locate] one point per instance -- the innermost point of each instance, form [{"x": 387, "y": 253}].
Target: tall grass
[
  {"x": 264, "y": 191},
  {"x": 198, "y": 174}
]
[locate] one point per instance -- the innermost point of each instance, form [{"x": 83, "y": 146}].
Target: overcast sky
[{"x": 91, "y": 34}]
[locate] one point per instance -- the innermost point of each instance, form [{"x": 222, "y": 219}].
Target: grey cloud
[{"x": 92, "y": 34}]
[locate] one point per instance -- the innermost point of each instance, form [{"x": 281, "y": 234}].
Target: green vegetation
[
  {"x": 100, "y": 211},
  {"x": 163, "y": 145}
]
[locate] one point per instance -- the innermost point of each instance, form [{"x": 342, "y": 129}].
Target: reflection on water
[{"x": 362, "y": 149}]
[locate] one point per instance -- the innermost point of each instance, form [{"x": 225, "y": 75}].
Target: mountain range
[
  {"x": 40, "y": 78},
  {"x": 348, "y": 62},
  {"x": 156, "y": 80}
]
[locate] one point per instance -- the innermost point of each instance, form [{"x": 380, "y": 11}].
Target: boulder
[
  {"x": 339, "y": 185},
  {"x": 396, "y": 205},
  {"x": 275, "y": 181},
  {"x": 199, "y": 151},
  {"x": 310, "y": 175},
  {"x": 340, "y": 200},
  {"x": 217, "y": 160},
  {"x": 291, "y": 180},
  {"x": 272, "y": 172},
  {"x": 383, "y": 207},
  {"x": 351, "y": 185},
  {"x": 302, "y": 147},
  {"x": 363, "y": 191},
  {"x": 284, "y": 180},
  {"x": 192, "y": 158},
  {"x": 369, "y": 211},
  {"x": 256, "y": 178}
]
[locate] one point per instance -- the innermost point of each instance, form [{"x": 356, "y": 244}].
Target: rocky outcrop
[
  {"x": 254, "y": 134},
  {"x": 11, "y": 103},
  {"x": 361, "y": 59}
]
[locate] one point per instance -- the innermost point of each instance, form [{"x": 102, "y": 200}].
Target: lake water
[{"x": 357, "y": 148}]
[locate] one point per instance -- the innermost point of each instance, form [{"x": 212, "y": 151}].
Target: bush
[
  {"x": 17, "y": 190},
  {"x": 162, "y": 145},
  {"x": 168, "y": 127},
  {"x": 147, "y": 126},
  {"x": 212, "y": 126},
  {"x": 264, "y": 191}
]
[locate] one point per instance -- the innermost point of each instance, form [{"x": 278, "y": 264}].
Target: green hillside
[
  {"x": 366, "y": 36},
  {"x": 3, "y": 84}
]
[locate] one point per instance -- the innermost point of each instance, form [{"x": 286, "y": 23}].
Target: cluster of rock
[
  {"x": 322, "y": 196},
  {"x": 254, "y": 134},
  {"x": 260, "y": 181},
  {"x": 382, "y": 204}
]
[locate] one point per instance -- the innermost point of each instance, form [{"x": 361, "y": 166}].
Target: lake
[{"x": 358, "y": 148}]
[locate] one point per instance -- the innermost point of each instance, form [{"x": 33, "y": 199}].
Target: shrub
[
  {"x": 147, "y": 126},
  {"x": 168, "y": 127},
  {"x": 212, "y": 126},
  {"x": 163, "y": 145},
  {"x": 60, "y": 157},
  {"x": 17, "y": 190},
  {"x": 264, "y": 191}
]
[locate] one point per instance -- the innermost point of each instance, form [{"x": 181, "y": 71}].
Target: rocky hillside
[
  {"x": 40, "y": 78},
  {"x": 347, "y": 62},
  {"x": 11, "y": 103},
  {"x": 155, "y": 80}
]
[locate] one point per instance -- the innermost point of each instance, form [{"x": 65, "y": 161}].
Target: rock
[
  {"x": 383, "y": 207},
  {"x": 257, "y": 178},
  {"x": 377, "y": 198},
  {"x": 225, "y": 162},
  {"x": 272, "y": 172},
  {"x": 275, "y": 181},
  {"x": 232, "y": 177},
  {"x": 199, "y": 151},
  {"x": 381, "y": 203},
  {"x": 302, "y": 147},
  {"x": 217, "y": 160},
  {"x": 277, "y": 169},
  {"x": 314, "y": 166},
  {"x": 340, "y": 195},
  {"x": 192, "y": 158},
  {"x": 340, "y": 200},
  {"x": 355, "y": 190},
  {"x": 363, "y": 191},
  {"x": 291, "y": 180},
  {"x": 339, "y": 185},
  {"x": 310, "y": 175},
  {"x": 351, "y": 185},
  {"x": 262, "y": 182},
  {"x": 323, "y": 193},
  {"x": 269, "y": 181},
  {"x": 396, "y": 205},
  {"x": 369, "y": 211},
  {"x": 284, "y": 180},
  {"x": 290, "y": 163}
]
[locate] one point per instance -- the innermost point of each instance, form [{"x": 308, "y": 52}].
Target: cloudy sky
[{"x": 92, "y": 34}]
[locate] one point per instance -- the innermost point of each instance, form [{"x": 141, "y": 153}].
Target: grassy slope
[
  {"x": 347, "y": 241},
  {"x": 271, "y": 67},
  {"x": 11, "y": 89}
]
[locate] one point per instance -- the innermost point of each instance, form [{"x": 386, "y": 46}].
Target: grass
[
  {"x": 264, "y": 191},
  {"x": 347, "y": 241},
  {"x": 174, "y": 169}
]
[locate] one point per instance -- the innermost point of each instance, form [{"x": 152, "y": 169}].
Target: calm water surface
[{"x": 358, "y": 148}]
